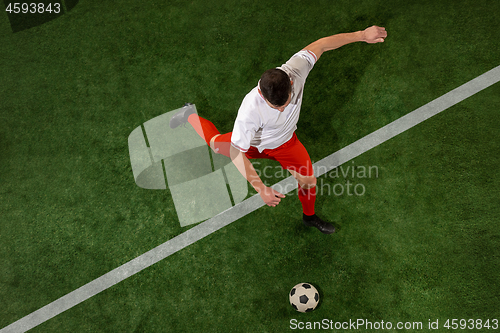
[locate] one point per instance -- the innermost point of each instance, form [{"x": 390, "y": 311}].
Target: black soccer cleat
[
  {"x": 181, "y": 117},
  {"x": 315, "y": 221}
]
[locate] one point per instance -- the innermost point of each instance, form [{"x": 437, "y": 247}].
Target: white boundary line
[{"x": 253, "y": 203}]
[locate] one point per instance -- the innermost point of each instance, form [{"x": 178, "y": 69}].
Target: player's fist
[
  {"x": 271, "y": 197},
  {"x": 374, "y": 34}
]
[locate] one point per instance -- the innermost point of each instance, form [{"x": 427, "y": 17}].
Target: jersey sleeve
[
  {"x": 301, "y": 63},
  {"x": 243, "y": 132}
]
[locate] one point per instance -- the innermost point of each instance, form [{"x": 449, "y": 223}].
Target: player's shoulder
[
  {"x": 252, "y": 96},
  {"x": 308, "y": 55},
  {"x": 251, "y": 108},
  {"x": 253, "y": 100},
  {"x": 300, "y": 64}
]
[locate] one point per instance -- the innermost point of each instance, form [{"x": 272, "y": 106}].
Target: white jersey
[{"x": 259, "y": 125}]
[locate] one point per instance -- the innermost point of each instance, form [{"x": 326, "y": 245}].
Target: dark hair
[{"x": 275, "y": 86}]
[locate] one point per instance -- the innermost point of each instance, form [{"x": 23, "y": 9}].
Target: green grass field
[{"x": 422, "y": 243}]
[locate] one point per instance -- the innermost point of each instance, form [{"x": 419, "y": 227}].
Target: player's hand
[
  {"x": 271, "y": 197},
  {"x": 374, "y": 34}
]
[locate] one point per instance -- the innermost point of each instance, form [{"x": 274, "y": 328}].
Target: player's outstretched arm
[
  {"x": 370, "y": 35},
  {"x": 270, "y": 196}
]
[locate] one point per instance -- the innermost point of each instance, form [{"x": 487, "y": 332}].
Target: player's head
[{"x": 275, "y": 86}]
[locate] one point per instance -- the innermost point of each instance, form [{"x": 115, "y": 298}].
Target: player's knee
[
  {"x": 212, "y": 144},
  {"x": 308, "y": 182}
]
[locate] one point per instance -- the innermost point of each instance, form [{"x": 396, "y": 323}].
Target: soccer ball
[{"x": 304, "y": 297}]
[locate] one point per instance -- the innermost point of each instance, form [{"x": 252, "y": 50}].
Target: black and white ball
[{"x": 304, "y": 297}]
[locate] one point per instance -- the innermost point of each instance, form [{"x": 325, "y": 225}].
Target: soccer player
[{"x": 266, "y": 123}]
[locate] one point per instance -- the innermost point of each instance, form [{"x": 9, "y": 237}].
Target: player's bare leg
[
  {"x": 212, "y": 143},
  {"x": 306, "y": 182}
]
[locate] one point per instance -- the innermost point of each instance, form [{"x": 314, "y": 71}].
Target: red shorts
[{"x": 292, "y": 155}]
